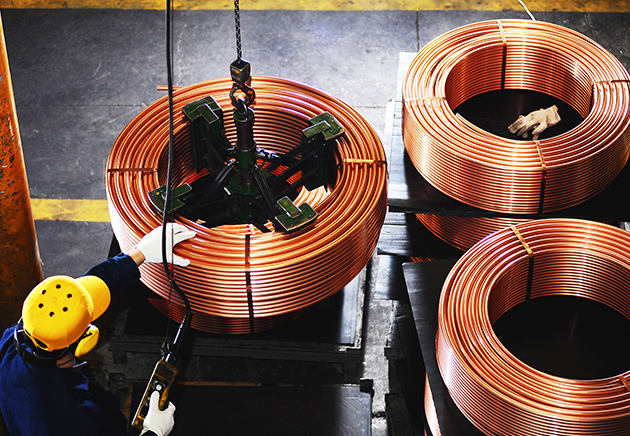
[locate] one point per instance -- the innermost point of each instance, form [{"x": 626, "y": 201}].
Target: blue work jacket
[{"x": 38, "y": 401}]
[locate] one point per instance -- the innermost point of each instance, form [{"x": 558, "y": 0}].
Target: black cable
[
  {"x": 168, "y": 200},
  {"x": 169, "y": 76}
]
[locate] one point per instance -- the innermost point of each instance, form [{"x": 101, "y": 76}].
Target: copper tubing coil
[
  {"x": 464, "y": 232},
  {"x": 241, "y": 280},
  {"x": 429, "y": 409},
  {"x": 498, "y": 393},
  {"x": 421, "y": 259},
  {"x": 513, "y": 176}
]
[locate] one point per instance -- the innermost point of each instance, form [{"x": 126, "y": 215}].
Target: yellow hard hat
[{"x": 59, "y": 310}]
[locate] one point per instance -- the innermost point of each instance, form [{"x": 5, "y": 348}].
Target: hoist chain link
[
  {"x": 240, "y": 71},
  {"x": 237, "y": 20}
]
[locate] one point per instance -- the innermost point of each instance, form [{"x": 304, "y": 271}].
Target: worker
[{"x": 45, "y": 388}]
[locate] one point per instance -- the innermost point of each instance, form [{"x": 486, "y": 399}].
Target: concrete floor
[{"x": 80, "y": 76}]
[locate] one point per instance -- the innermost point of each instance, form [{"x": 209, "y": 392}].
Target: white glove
[
  {"x": 158, "y": 421},
  {"x": 151, "y": 244},
  {"x": 538, "y": 120}
]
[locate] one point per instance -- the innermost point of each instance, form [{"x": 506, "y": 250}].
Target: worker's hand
[
  {"x": 538, "y": 120},
  {"x": 151, "y": 244},
  {"x": 158, "y": 421}
]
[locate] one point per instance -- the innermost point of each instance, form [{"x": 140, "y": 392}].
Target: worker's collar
[{"x": 79, "y": 364}]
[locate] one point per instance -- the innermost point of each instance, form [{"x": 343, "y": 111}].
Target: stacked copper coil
[
  {"x": 429, "y": 409},
  {"x": 464, "y": 232},
  {"x": 512, "y": 176},
  {"x": 241, "y": 280},
  {"x": 498, "y": 393}
]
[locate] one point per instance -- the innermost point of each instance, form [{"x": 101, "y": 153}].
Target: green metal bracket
[
  {"x": 211, "y": 148},
  {"x": 295, "y": 217},
  {"x": 317, "y": 139},
  {"x": 325, "y": 124},
  {"x": 157, "y": 197}
]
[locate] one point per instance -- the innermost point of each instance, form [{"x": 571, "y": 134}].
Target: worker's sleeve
[
  {"x": 54, "y": 401},
  {"x": 117, "y": 272}
]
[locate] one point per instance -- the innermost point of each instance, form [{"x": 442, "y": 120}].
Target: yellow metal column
[{"x": 20, "y": 265}]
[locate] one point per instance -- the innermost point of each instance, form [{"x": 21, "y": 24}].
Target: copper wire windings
[
  {"x": 429, "y": 409},
  {"x": 498, "y": 393},
  {"x": 241, "y": 280},
  {"x": 464, "y": 232},
  {"x": 511, "y": 176}
]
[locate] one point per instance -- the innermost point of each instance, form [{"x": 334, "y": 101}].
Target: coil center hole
[
  {"x": 567, "y": 336},
  {"x": 494, "y": 111}
]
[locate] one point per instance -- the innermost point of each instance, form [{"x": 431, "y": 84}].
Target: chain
[
  {"x": 240, "y": 71},
  {"x": 237, "y": 19}
]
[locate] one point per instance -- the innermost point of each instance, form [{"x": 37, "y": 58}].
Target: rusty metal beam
[{"x": 20, "y": 264}]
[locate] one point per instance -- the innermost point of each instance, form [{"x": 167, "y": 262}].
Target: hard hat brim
[{"x": 99, "y": 292}]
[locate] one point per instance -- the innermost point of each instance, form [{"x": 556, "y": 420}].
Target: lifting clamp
[{"x": 245, "y": 183}]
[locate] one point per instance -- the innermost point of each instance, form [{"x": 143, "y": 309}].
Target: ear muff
[
  {"x": 36, "y": 357},
  {"x": 88, "y": 341}
]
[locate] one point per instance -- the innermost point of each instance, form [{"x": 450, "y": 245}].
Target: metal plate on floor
[
  {"x": 330, "y": 331},
  {"x": 424, "y": 283}
]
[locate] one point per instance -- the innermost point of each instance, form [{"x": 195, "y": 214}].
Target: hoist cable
[
  {"x": 522, "y": 3},
  {"x": 285, "y": 272},
  {"x": 168, "y": 199},
  {"x": 548, "y": 257},
  {"x": 516, "y": 176}
]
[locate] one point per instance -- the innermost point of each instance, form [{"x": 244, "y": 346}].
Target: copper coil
[
  {"x": 429, "y": 409},
  {"x": 421, "y": 259},
  {"x": 241, "y": 280},
  {"x": 513, "y": 176},
  {"x": 464, "y": 232},
  {"x": 565, "y": 257}
]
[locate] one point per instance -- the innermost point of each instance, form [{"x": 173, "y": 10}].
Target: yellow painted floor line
[
  {"x": 47, "y": 209},
  {"x": 332, "y": 5}
]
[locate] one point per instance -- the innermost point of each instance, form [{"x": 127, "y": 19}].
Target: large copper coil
[
  {"x": 241, "y": 280},
  {"x": 429, "y": 409},
  {"x": 498, "y": 393},
  {"x": 464, "y": 232},
  {"x": 516, "y": 176}
]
